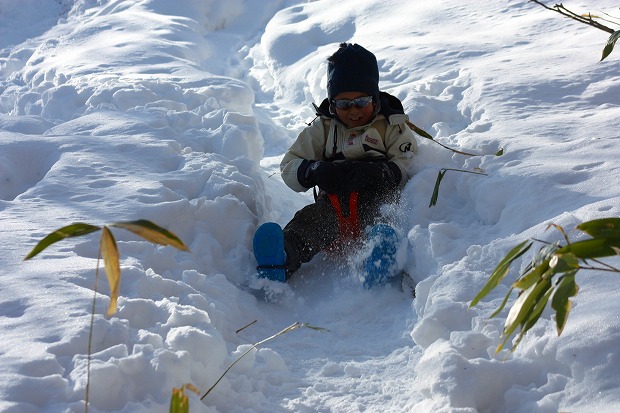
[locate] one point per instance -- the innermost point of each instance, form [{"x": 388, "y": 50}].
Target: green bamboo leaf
[
  {"x": 532, "y": 277},
  {"x": 592, "y": 248},
  {"x": 435, "y": 195},
  {"x": 503, "y": 304},
  {"x": 152, "y": 232},
  {"x": 521, "y": 309},
  {"x": 541, "y": 302},
  {"x": 73, "y": 230},
  {"x": 419, "y": 131},
  {"x": 111, "y": 259},
  {"x": 539, "y": 305},
  {"x": 440, "y": 176},
  {"x": 611, "y": 42},
  {"x": 601, "y": 228},
  {"x": 561, "y": 303},
  {"x": 501, "y": 270},
  {"x": 532, "y": 317}
]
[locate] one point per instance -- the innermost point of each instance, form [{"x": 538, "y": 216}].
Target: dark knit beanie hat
[{"x": 352, "y": 69}]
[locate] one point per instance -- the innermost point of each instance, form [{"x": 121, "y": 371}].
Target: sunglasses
[{"x": 344, "y": 104}]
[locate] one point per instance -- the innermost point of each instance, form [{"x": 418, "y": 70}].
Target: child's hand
[
  {"x": 327, "y": 175},
  {"x": 349, "y": 176},
  {"x": 366, "y": 176}
]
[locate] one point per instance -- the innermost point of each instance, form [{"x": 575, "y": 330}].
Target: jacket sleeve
[
  {"x": 309, "y": 145},
  {"x": 401, "y": 147}
]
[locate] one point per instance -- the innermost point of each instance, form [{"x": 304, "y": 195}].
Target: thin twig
[
  {"x": 561, "y": 230},
  {"x": 428, "y": 136},
  {"x": 456, "y": 150},
  {"x": 244, "y": 327},
  {"x": 559, "y": 8},
  {"x": 610, "y": 17},
  {"x": 542, "y": 241},
  {"x": 254, "y": 346},
  {"x": 612, "y": 268},
  {"x": 465, "y": 170},
  {"x": 609, "y": 267},
  {"x": 599, "y": 269}
]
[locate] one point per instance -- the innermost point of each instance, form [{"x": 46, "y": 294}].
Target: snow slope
[{"x": 179, "y": 112}]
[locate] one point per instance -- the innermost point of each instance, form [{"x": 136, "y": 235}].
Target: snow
[{"x": 179, "y": 112}]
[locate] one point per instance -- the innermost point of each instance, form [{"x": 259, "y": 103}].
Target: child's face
[{"x": 354, "y": 116}]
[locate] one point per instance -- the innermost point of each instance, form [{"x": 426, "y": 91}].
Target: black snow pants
[{"x": 329, "y": 220}]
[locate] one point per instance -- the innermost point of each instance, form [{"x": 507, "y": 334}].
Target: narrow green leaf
[
  {"x": 561, "y": 303},
  {"x": 440, "y": 176},
  {"x": 419, "y": 131},
  {"x": 503, "y": 304},
  {"x": 601, "y": 228},
  {"x": 111, "y": 259},
  {"x": 73, "y": 230},
  {"x": 435, "y": 195},
  {"x": 540, "y": 302},
  {"x": 501, "y": 270},
  {"x": 500, "y": 152},
  {"x": 152, "y": 232},
  {"x": 532, "y": 277},
  {"x": 532, "y": 317},
  {"x": 611, "y": 42},
  {"x": 521, "y": 308},
  {"x": 591, "y": 248}
]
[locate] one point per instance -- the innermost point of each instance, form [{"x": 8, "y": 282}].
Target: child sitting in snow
[{"x": 357, "y": 151}]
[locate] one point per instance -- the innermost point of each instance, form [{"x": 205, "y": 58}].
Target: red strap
[{"x": 348, "y": 226}]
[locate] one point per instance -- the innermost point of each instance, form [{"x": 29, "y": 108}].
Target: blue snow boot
[
  {"x": 380, "y": 265},
  {"x": 269, "y": 252}
]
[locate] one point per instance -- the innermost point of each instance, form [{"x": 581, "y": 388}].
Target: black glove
[
  {"x": 368, "y": 176},
  {"x": 326, "y": 175}
]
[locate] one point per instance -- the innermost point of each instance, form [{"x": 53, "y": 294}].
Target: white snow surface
[{"x": 179, "y": 112}]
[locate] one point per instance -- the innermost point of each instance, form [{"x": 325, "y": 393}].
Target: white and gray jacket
[{"x": 387, "y": 137}]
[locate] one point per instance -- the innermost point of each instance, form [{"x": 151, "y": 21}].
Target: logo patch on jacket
[
  {"x": 405, "y": 147},
  {"x": 371, "y": 140}
]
